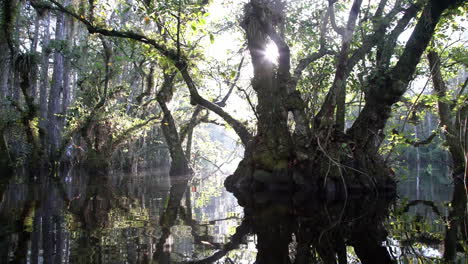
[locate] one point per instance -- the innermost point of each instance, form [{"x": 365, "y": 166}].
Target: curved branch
[
  {"x": 390, "y": 41},
  {"x": 331, "y": 11},
  {"x": 424, "y": 202},
  {"x": 195, "y": 98}
]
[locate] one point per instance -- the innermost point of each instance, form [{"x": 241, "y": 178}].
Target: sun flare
[{"x": 271, "y": 52}]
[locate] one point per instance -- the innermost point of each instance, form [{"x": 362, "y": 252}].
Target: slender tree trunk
[
  {"x": 452, "y": 129},
  {"x": 67, "y": 73},
  {"x": 5, "y": 65},
  {"x": 44, "y": 81},
  {"x": 33, "y": 49},
  {"x": 53, "y": 110}
]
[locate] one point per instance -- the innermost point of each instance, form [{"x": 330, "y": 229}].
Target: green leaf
[{"x": 211, "y": 38}]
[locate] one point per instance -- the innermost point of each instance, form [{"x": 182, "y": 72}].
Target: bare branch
[{"x": 222, "y": 103}]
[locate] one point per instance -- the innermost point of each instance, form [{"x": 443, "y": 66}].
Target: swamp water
[{"x": 74, "y": 217}]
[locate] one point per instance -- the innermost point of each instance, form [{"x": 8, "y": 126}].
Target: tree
[
  {"x": 328, "y": 153},
  {"x": 312, "y": 148}
]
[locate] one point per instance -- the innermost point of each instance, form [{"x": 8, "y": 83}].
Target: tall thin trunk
[
  {"x": 70, "y": 32},
  {"x": 53, "y": 124},
  {"x": 44, "y": 82},
  {"x": 4, "y": 70},
  {"x": 34, "y": 42},
  {"x": 15, "y": 86}
]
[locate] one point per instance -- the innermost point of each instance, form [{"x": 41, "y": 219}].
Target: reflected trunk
[{"x": 457, "y": 223}]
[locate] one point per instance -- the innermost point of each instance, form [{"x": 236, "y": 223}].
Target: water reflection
[
  {"x": 319, "y": 232},
  {"x": 75, "y": 217}
]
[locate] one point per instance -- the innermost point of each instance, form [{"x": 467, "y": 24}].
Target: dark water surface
[{"x": 74, "y": 217}]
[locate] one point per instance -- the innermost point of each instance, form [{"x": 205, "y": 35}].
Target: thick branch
[
  {"x": 426, "y": 141},
  {"x": 371, "y": 40},
  {"x": 284, "y": 60},
  {"x": 192, "y": 124}
]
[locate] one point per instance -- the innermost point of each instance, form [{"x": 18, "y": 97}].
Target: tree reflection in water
[
  {"x": 84, "y": 218},
  {"x": 289, "y": 231}
]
